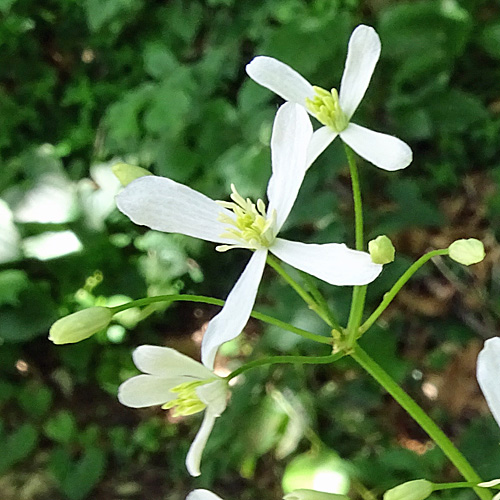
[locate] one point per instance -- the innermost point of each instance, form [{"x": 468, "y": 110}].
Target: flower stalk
[{"x": 422, "y": 419}]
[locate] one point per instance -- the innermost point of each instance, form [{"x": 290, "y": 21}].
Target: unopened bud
[
  {"x": 467, "y": 252},
  {"x": 80, "y": 325},
  {"x": 381, "y": 250},
  {"x": 303, "y": 494},
  {"x": 127, "y": 173},
  {"x": 420, "y": 489}
]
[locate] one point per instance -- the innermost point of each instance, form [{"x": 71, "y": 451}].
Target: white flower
[
  {"x": 334, "y": 110},
  {"x": 488, "y": 374},
  {"x": 294, "y": 495},
  {"x": 202, "y": 495},
  {"x": 165, "y": 205},
  {"x": 174, "y": 380}
]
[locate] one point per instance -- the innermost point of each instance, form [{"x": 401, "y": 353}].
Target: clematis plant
[
  {"x": 174, "y": 380},
  {"x": 335, "y": 109},
  {"x": 168, "y": 206}
]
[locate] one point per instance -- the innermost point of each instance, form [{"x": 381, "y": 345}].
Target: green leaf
[
  {"x": 12, "y": 283},
  {"x": 17, "y": 446},
  {"x": 61, "y": 427},
  {"x": 490, "y": 40},
  {"x": 83, "y": 477},
  {"x": 35, "y": 399},
  {"x": 77, "y": 478},
  {"x": 456, "y": 111},
  {"x": 32, "y": 317},
  {"x": 159, "y": 61}
]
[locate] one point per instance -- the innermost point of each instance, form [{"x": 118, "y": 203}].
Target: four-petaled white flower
[
  {"x": 488, "y": 374},
  {"x": 174, "y": 380},
  {"x": 334, "y": 110},
  {"x": 165, "y": 205}
]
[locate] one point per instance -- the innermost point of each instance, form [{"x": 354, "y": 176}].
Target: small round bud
[
  {"x": 467, "y": 252},
  {"x": 420, "y": 489},
  {"x": 80, "y": 325},
  {"x": 381, "y": 250},
  {"x": 303, "y": 494},
  {"x": 127, "y": 173}
]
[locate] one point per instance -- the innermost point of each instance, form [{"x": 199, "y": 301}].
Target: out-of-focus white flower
[
  {"x": 294, "y": 495},
  {"x": 202, "y": 495},
  {"x": 174, "y": 380},
  {"x": 304, "y": 494},
  {"x": 334, "y": 110},
  {"x": 488, "y": 374},
  {"x": 165, "y": 205}
]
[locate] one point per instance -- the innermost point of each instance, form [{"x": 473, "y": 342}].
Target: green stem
[
  {"x": 298, "y": 360},
  {"x": 359, "y": 292},
  {"x": 427, "y": 424},
  {"x": 313, "y": 305},
  {"x": 356, "y": 313},
  {"x": 452, "y": 486},
  {"x": 217, "y": 302},
  {"x": 389, "y": 296},
  {"x": 356, "y": 193}
]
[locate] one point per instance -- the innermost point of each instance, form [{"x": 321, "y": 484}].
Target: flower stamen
[
  {"x": 252, "y": 227},
  {"x": 326, "y": 108},
  {"x": 187, "y": 401}
]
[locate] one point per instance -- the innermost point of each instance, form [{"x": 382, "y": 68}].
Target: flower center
[
  {"x": 253, "y": 228},
  {"x": 326, "y": 108},
  {"x": 187, "y": 401}
]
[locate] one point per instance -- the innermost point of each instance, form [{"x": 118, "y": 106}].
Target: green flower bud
[
  {"x": 381, "y": 250},
  {"x": 419, "y": 489},
  {"x": 304, "y": 494},
  {"x": 127, "y": 173},
  {"x": 467, "y": 252},
  {"x": 80, "y": 325}
]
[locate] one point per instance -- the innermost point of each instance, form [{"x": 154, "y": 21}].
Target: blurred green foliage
[{"x": 162, "y": 85}]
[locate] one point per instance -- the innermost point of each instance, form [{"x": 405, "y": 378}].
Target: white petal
[
  {"x": 229, "y": 323},
  {"x": 496, "y": 497},
  {"x": 384, "y": 151},
  {"x": 193, "y": 458},
  {"x": 165, "y": 205},
  {"x": 167, "y": 362},
  {"x": 292, "y": 131},
  {"x": 148, "y": 390},
  {"x": 202, "y": 495},
  {"x": 320, "y": 140},
  {"x": 362, "y": 56},
  {"x": 280, "y": 78},
  {"x": 488, "y": 375},
  {"x": 214, "y": 395},
  {"x": 489, "y": 484},
  {"x": 332, "y": 262}
]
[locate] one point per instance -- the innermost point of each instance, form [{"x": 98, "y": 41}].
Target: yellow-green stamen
[
  {"x": 188, "y": 401},
  {"x": 252, "y": 226},
  {"x": 326, "y": 108}
]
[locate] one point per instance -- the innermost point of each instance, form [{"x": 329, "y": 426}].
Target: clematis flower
[
  {"x": 174, "y": 380},
  {"x": 202, "y": 495},
  {"x": 488, "y": 374},
  {"x": 165, "y": 205},
  {"x": 294, "y": 495},
  {"x": 335, "y": 109}
]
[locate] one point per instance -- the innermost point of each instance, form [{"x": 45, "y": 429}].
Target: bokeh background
[{"x": 161, "y": 84}]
